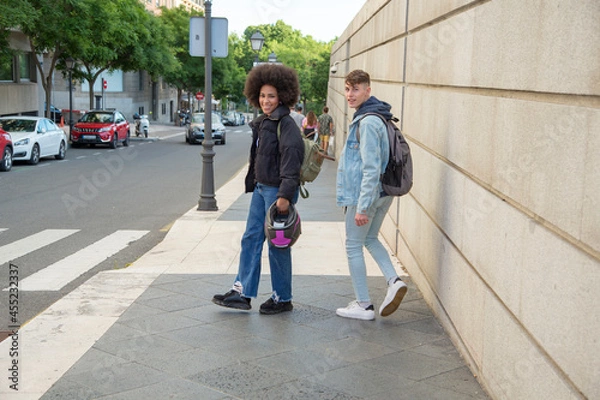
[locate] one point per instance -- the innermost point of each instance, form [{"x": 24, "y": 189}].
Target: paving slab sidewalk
[{"x": 151, "y": 331}]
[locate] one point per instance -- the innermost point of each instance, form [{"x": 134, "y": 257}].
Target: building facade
[
  {"x": 500, "y": 102},
  {"x": 20, "y": 88}
]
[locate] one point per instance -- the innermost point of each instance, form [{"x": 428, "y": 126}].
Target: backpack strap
[
  {"x": 303, "y": 190},
  {"x": 365, "y": 115},
  {"x": 279, "y": 125}
]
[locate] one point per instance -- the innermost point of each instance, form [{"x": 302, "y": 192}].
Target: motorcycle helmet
[{"x": 282, "y": 230}]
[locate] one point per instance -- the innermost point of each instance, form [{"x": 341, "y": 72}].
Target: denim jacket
[{"x": 361, "y": 164}]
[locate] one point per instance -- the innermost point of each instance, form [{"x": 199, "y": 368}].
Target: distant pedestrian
[
  {"x": 297, "y": 115},
  {"x": 273, "y": 176},
  {"x": 363, "y": 160},
  {"x": 325, "y": 128},
  {"x": 309, "y": 125}
]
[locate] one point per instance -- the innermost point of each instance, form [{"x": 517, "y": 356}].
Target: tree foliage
[
  {"x": 189, "y": 72},
  {"x": 131, "y": 39},
  {"x": 13, "y": 14},
  {"x": 55, "y": 27},
  {"x": 120, "y": 34},
  {"x": 310, "y": 58}
]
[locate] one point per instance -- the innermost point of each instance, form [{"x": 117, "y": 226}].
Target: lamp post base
[{"x": 207, "y": 201}]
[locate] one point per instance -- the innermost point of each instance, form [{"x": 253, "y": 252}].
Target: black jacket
[{"x": 275, "y": 162}]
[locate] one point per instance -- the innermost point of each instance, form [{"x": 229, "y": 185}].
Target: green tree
[
  {"x": 131, "y": 39},
  {"x": 13, "y": 14},
  {"x": 100, "y": 34},
  {"x": 189, "y": 73},
  {"x": 228, "y": 75},
  {"x": 310, "y": 58},
  {"x": 55, "y": 26}
]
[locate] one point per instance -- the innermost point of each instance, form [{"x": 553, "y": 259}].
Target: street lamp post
[
  {"x": 207, "y": 201},
  {"x": 272, "y": 58},
  {"x": 70, "y": 63},
  {"x": 256, "y": 41}
]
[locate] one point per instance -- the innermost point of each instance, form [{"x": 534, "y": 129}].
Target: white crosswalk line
[
  {"x": 31, "y": 243},
  {"x": 59, "y": 274},
  {"x": 3, "y": 229}
]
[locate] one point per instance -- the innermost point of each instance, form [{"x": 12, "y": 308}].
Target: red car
[
  {"x": 101, "y": 127},
  {"x": 6, "y": 147}
]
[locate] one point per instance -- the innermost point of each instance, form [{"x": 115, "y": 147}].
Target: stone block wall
[{"x": 500, "y": 102}]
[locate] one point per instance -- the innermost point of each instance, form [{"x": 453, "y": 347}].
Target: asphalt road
[{"x": 98, "y": 209}]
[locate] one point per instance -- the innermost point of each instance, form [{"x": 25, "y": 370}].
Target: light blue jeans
[
  {"x": 280, "y": 260},
  {"x": 367, "y": 236}
]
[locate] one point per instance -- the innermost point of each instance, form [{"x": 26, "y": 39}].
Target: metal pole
[
  {"x": 70, "y": 101},
  {"x": 207, "y": 201},
  {"x": 255, "y": 64}
]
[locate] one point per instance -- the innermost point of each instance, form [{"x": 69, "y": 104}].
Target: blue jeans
[
  {"x": 280, "y": 260},
  {"x": 367, "y": 236}
]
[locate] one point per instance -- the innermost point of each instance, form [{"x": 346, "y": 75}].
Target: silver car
[{"x": 195, "y": 129}]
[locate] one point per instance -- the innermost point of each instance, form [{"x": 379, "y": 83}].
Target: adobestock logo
[
  {"x": 269, "y": 10},
  {"x": 89, "y": 188}
]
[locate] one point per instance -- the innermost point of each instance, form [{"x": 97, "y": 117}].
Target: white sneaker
[
  {"x": 393, "y": 298},
  {"x": 354, "y": 310}
]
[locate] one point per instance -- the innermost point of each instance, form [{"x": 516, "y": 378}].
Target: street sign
[
  {"x": 218, "y": 36},
  {"x": 199, "y": 96}
]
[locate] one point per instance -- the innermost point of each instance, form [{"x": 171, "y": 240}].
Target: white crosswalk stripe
[
  {"x": 31, "y": 243},
  {"x": 56, "y": 276}
]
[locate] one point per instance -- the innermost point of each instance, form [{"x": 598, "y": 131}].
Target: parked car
[
  {"x": 195, "y": 130},
  {"x": 231, "y": 118},
  {"x": 55, "y": 113},
  {"x": 101, "y": 127},
  {"x": 6, "y": 147},
  {"x": 34, "y": 138}
]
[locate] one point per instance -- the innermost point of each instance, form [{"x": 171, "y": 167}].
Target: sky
[{"x": 324, "y": 20}]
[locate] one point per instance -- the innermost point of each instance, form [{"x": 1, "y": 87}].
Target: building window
[
  {"x": 141, "y": 80},
  {"x": 25, "y": 66},
  {"x": 164, "y": 108}
]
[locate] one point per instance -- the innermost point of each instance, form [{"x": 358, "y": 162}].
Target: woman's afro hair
[{"x": 282, "y": 78}]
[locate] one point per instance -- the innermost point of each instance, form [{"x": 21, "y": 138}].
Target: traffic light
[{"x": 104, "y": 84}]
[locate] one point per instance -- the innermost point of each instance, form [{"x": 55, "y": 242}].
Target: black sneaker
[
  {"x": 271, "y": 307},
  {"x": 232, "y": 299}
]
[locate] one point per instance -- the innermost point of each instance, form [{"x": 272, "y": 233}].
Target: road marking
[
  {"x": 172, "y": 135},
  {"x": 31, "y": 243},
  {"x": 59, "y": 274}
]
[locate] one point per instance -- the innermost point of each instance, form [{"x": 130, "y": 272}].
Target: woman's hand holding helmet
[{"x": 282, "y": 205}]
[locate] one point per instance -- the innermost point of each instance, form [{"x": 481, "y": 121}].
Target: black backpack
[{"x": 397, "y": 179}]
